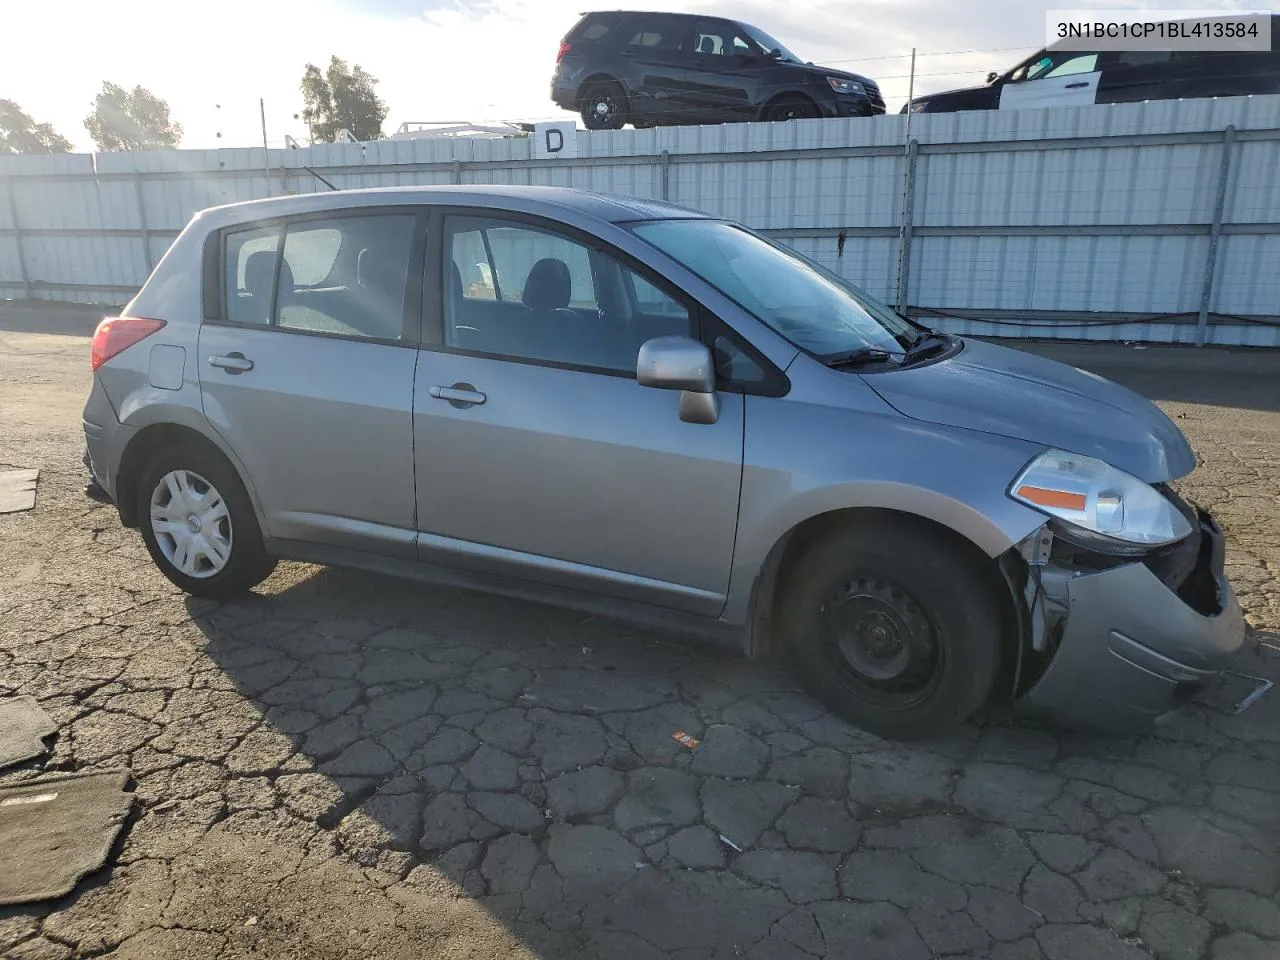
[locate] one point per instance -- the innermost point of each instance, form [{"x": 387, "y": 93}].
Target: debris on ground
[
  {"x": 55, "y": 830},
  {"x": 18, "y": 490},
  {"x": 23, "y": 727},
  {"x": 685, "y": 739}
]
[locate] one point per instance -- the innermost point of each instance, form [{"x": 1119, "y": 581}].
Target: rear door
[
  {"x": 657, "y": 51},
  {"x": 539, "y": 456},
  {"x": 307, "y": 373},
  {"x": 1062, "y": 79}
]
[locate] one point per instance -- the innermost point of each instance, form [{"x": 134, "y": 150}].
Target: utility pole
[
  {"x": 266, "y": 154},
  {"x": 908, "y": 188}
]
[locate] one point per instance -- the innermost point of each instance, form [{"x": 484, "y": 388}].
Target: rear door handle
[
  {"x": 232, "y": 363},
  {"x": 1077, "y": 85},
  {"x": 459, "y": 395}
]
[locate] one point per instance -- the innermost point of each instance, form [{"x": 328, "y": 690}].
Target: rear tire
[
  {"x": 793, "y": 107},
  {"x": 199, "y": 524},
  {"x": 894, "y": 627},
  {"x": 604, "y": 106}
]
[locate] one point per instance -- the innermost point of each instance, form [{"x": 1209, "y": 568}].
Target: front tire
[
  {"x": 199, "y": 524},
  {"x": 894, "y": 627},
  {"x": 792, "y": 108},
  {"x": 604, "y": 106}
]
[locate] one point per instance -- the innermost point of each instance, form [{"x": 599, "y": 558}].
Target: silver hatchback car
[{"x": 651, "y": 414}]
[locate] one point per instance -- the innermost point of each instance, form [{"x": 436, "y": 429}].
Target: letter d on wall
[{"x": 555, "y": 140}]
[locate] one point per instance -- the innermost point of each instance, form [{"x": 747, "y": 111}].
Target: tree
[
  {"x": 21, "y": 134},
  {"x": 131, "y": 121},
  {"x": 341, "y": 98}
]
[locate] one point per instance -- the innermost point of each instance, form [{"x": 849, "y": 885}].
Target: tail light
[
  {"x": 115, "y": 334},
  {"x": 564, "y": 48}
]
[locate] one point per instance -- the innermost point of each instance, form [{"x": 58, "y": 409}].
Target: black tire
[
  {"x": 246, "y": 564},
  {"x": 894, "y": 627},
  {"x": 793, "y": 107},
  {"x": 604, "y": 106}
]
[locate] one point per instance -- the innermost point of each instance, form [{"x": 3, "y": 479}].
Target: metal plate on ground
[
  {"x": 23, "y": 727},
  {"x": 18, "y": 490},
  {"x": 54, "y": 830}
]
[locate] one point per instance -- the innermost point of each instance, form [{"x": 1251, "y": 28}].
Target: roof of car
[{"x": 547, "y": 201}]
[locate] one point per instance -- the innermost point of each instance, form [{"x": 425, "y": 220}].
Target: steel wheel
[
  {"x": 192, "y": 524},
  {"x": 604, "y": 106},
  {"x": 881, "y": 641},
  {"x": 604, "y": 109}
]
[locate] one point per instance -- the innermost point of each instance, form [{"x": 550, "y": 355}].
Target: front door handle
[
  {"x": 232, "y": 363},
  {"x": 1077, "y": 85},
  {"x": 459, "y": 395}
]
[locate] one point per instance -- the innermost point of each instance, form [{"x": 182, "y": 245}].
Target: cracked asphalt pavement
[{"x": 350, "y": 766}]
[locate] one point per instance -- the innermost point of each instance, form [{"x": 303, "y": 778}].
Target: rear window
[{"x": 592, "y": 28}]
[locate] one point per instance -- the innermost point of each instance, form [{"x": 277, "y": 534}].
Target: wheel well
[
  {"x": 772, "y": 579},
  {"x": 596, "y": 78},
  {"x": 783, "y": 98},
  {"x": 141, "y": 448}
]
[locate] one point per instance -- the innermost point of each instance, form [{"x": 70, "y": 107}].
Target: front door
[
  {"x": 1064, "y": 79},
  {"x": 538, "y": 454},
  {"x": 309, "y": 377},
  {"x": 726, "y": 69}
]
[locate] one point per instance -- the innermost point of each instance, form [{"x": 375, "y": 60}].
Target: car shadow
[
  {"x": 1211, "y": 376},
  {"x": 527, "y": 757},
  {"x": 61, "y": 319}
]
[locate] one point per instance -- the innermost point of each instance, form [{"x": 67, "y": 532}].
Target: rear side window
[
  {"x": 656, "y": 33},
  {"x": 345, "y": 276},
  {"x": 251, "y": 275}
]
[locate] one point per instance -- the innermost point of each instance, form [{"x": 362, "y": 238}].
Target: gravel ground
[{"x": 349, "y": 766}]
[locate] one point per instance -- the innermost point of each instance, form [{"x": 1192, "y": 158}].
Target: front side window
[
  {"x": 806, "y": 304},
  {"x": 1056, "y": 65},
  {"x": 344, "y": 276},
  {"x": 767, "y": 43},
  {"x": 522, "y": 292}
]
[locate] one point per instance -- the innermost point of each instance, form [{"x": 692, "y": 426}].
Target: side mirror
[
  {"x": 775, "y": 53},
  {"x": 684, "y": 364},
  {"x": 992, "y": 77}
]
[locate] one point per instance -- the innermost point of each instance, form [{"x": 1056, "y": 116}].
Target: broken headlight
[{"x": 1099, "y": 502}]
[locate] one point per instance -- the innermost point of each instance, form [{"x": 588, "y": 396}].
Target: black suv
[
  {"x": 657, "y": 68},
  {"x": 1071, "y": 78}
]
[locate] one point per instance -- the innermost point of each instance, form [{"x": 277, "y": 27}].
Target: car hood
[
  {"x": 937, "y": 94},
  {"x": 1019, "y": 395},
  {"x": 818, "y": 70}
]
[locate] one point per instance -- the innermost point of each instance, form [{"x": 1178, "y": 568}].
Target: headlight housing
[
  {"x": 918, "y": 106},
  {"x": 845, "y": 85},
  {"x": 1094, "y": 496}
]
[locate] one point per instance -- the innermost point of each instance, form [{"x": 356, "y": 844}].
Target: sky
[{"x": 481, "y": 61}]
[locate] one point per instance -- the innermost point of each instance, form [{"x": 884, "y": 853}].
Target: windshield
[
  {"x": 804, "y": 302},
  {"x": 767, "y": 42}
]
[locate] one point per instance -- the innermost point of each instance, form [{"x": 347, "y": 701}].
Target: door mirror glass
[{"x": 676, "y": 363}]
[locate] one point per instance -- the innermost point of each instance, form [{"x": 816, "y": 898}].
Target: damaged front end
[{"x": 1113, "y": 638}]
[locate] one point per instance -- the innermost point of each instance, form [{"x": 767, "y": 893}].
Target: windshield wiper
[
  {"x": 926, "y": 345},
  {"x": 866, "y": 355}
]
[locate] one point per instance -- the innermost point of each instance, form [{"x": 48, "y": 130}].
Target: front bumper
[{"x": 1131, "y": 649}]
